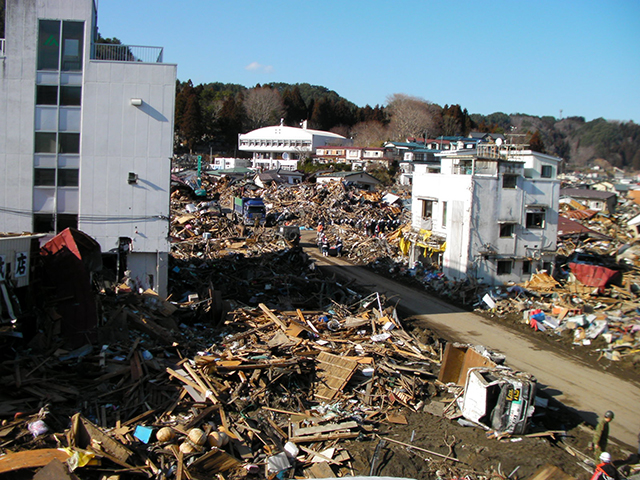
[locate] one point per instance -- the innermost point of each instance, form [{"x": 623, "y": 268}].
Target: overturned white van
[{"x": 499, "y": 399}]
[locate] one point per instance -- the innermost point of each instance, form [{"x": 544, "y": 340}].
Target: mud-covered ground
[{"x": 478, "y": 456}]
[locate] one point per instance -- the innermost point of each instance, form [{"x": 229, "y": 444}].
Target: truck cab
[{"x": 250, "y": 210}]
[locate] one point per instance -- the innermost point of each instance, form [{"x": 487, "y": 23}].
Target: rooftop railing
[
  {"x": 126, "y": 53},
  {"x": 2, "y": 47}
]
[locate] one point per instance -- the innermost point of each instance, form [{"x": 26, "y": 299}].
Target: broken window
[
  {"x": 427, "y": 209},
  {"x": 509, "y": 181},
  {"x": 535, "y": 219},
  {"x": 526, "y": 267},
  {"x": 507, "y": 229},
  {"x": 504, "y": 267}
]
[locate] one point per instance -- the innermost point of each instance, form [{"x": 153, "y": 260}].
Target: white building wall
[
  {"x": 17, "y": 102},
  {"x": 476, "y": 206},
  {"x": 115, "y": 138},
  {"x": 118, "y": 138},
  {"x": 453, "y": 189}
]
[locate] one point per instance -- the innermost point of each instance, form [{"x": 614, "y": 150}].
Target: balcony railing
[
  {"x": 126, "y": 53},
  {"x": 2, "y": 47}
]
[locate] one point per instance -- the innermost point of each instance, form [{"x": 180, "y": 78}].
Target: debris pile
[
  {"x": 273, "y": 391},
  {"x": 207, "y": 228}
]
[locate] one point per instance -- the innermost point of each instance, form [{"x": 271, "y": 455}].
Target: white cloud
[{"x": 257, "y": 67}]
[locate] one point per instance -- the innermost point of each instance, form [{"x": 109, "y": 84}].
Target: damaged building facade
[
  {"x": 490, "y": 214},
  {"x": 86, "y": 135}
]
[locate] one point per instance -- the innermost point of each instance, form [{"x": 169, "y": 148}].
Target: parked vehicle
[{"x": 249, "y": 210}]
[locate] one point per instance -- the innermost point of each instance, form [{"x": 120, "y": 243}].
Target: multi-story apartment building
[
  {"x": 86, "y": 135},
  {"x": 490, "y": 213}
]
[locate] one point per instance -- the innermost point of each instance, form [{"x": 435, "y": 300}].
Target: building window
[
  {"x": 509, "y": 181},
  {"x": 504, "y": 267},
  {"x": 70, "y": 96},
  {"x": 66, "y": 220},
  {"x": 526, "y": 267},
  {"x": 427, "y": 209},
  {"x": 535, "y": 219},
  {"x": 547, "y": 171},
  {"x": 68, "y": 177},
  {"x": 47, "y": 95},
  {"x": 507, "y": 229},
  {"x": 69, "y": 143},
  {"x": 49, "y": 45},
  {"x": 45, "y": 142},
  {"x": 44, "y": 177},
  {"x": 43, "y": 223},
  {"x": 444, "y": 214},
  {"x": 72, "y": 36},
  {"x": 50, "y": 41}
]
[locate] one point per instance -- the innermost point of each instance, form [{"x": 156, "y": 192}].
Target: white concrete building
[
  {"x": 281, "y": 146},
  {"x": 86, "y": 135},
  {"x": 490, "y": 214},
  {"x": 220, "y": 163}
]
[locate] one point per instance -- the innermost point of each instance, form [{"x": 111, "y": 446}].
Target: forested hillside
[{"x": 210, "y": 116}]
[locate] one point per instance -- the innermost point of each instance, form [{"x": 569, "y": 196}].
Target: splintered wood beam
[
  {"x": 30, "y": 459},
  {"x": 272, "y": 317}
]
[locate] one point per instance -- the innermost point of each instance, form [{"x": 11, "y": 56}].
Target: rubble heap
[{"x": 271, "y": 392}]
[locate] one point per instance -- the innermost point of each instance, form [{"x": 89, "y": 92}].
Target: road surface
[{"x": 589, "y": 391}]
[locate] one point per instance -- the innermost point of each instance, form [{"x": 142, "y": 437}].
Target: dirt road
[{"x": 588, "y": 390}]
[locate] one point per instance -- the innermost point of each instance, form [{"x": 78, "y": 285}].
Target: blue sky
[{"x": 537, "y": 57}]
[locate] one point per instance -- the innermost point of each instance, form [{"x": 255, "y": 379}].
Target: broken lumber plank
[
  {"x": 319, "y": 455},
  {"x": 330, "y": 427},
  {"x": 30, "y": 459},
  {"x": 215, "y": 461},
  {"x": 324, "y": 437},
  {"x": 272, "y": 317},
  {"x": 319, "y": 470},
  {"x": 207, "y": 392}
]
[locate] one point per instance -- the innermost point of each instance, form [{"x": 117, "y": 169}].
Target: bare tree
[
  {"x": 263, "y": 107},
  {"x": 369, "y": 134},
  {"x": 410, "y": 116}
]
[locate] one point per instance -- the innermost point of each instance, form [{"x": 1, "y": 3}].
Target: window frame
[
  {"x": 546, "y": 171},
  {"x": 507, "y": 184},
  {"x": 507, "y": 225},
  {"x": 532, "y": 223},
  {"x": 504, "y": 267},
  {"x": 427, "y": 209}
]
